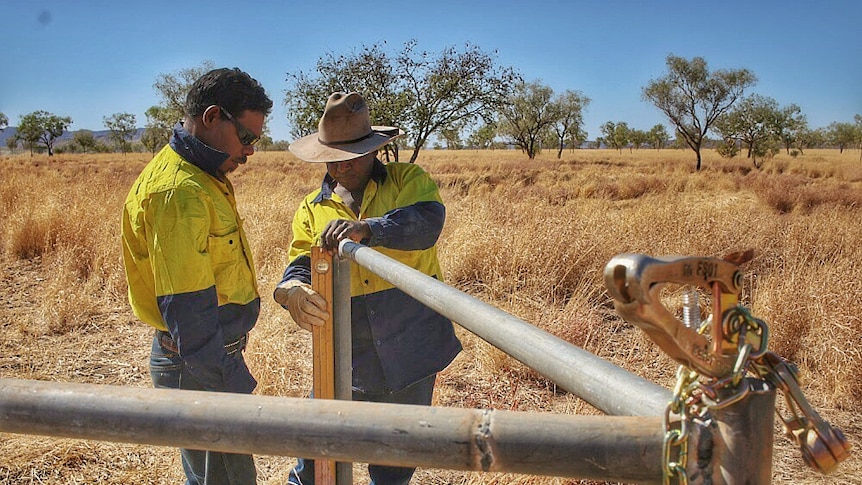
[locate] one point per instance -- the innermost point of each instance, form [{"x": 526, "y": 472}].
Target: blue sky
[{"x": 89, "y": 59}]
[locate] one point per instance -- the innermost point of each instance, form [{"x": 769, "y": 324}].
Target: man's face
[
  {"x": 223, "y": 132},
  {"x": 354, "y": 174}
]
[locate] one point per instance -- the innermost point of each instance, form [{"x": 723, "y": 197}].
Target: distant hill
[{"x": 101, "y": 135}]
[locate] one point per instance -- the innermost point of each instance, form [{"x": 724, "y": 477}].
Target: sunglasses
[{"x": 246, "y": 136}]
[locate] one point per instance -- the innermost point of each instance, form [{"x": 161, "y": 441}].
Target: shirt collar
[
  {"x": 197, "y": 152},
  {"x": 378, "y": 175}
]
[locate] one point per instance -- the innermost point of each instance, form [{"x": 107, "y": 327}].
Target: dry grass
[{"x": 531, "y": 237}]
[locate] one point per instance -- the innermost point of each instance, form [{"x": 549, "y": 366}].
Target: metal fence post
[
  {"x": 735, "y": 446},
  {"x": 342, "y": 343}
]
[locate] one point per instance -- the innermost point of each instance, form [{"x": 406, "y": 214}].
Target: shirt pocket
[{"x": 233, "y": 276}]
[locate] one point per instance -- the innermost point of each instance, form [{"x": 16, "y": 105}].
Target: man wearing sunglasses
[{"x": 187, "y": 259}]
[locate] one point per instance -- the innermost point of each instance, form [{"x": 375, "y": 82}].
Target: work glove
[{"x": 306, "y": 307}]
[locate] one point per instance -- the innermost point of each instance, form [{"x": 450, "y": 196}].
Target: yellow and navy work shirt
[
  {"x": 396, "y": 339},
  {"x": 187, "y": 259}
]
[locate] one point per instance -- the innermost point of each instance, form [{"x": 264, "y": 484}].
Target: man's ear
[{"x": 211, "y": 115}]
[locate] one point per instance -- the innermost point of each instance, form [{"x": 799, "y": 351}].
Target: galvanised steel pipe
[
  {"x": 606, "y": 386},
  {"x": 342, "y": 347},
  {"x": 621, "y": 449}
]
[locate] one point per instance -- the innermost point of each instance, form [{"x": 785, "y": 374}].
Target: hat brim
[{"x": 309, "y": 148}]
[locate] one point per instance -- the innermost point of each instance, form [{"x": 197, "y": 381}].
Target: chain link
[
  {"x": 675, "y": 444},
  {"x": 693, "y": 397},
  {"x": 823, "y": 447}
]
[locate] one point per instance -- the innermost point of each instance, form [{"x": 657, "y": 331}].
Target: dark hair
[{"x": 232, "y": 89}]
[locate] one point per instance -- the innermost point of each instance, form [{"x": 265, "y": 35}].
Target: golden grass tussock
[{"x": 528, "y": 236}]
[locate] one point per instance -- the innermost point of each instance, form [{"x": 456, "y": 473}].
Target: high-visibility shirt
[
  {"x": 396, "y": 340},
  {"x": 188, "y": 262}
]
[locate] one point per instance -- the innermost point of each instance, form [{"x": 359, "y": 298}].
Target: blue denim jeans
[
  {"x": 201, "y": 467},
  {"x": 417, "y": 393}
]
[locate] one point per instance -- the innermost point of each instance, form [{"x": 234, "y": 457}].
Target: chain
[
  {"x": 675, "y": 443},
  {"x": 691, "y": 397},
  {"x": 823, "y": 446}
]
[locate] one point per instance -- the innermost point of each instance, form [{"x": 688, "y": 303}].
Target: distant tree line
[{"x": 462, "y": 98}]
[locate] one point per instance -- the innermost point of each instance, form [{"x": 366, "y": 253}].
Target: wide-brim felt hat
[{"x": 344, "y": 132}]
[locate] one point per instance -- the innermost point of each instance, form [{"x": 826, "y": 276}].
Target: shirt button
[
  {"x": 366, "y": 282},
  {"x": 377, "y": 342}
]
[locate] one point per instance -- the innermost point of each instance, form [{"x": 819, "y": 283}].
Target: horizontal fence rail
[
  {"x": 609, "y": 388},
  {"x": 625, "y": 449}
]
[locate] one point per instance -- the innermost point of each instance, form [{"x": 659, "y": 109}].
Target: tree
[
  {"x": 637, "y": 139},
  {"x": 369, "y": 71},
  {"x": 421, "y": 92},
  {"x": 173, "y": 88},
  {"x": 452, "y": 136},
  {"x": 808, "y": 138},
  {"x": 12, "y": 143},
  {"x": 4, "y": 121},
  {"x": 570, "y": 119},
  {"x": 843, "y": 135},
  {"x": 789, "y": 124},
  {"x": 42, "y": 127},
  {"x": 123, "y": 127},
  {"x": 84, "y": 140},
  {"x": 483, "y": 137},
  {"x": 453, "y": 87},
  {"x": 692, "y": 97},
  {"x": 157, "y": 131},
  {"x": 657, "y": 137},
  {"x": 265, "y": 143},
  {"x": 528, "y": 116},
  {"x": 753, "y": 123},
  {"x": 617, "y": 135}
]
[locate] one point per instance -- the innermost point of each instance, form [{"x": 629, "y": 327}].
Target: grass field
[{"x": 529, "y": 236}]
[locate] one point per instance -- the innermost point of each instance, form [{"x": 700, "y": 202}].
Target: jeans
[
  {"x": 417, "y": 393},
  {"x": 201, "y": 467}
]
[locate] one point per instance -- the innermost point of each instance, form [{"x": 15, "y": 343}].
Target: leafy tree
[
  {"x": 843, "y": 135},
  {"x": 265, "y": 143},
  {"x": 808, "y": 138},
  {"x": 789, "y": 122},
  {"x": 617, "y": 135},
  {"x": 421, "y": 92},
  {"x": 452, "y": 136},
  {"x": 4, "y": 121},
  {"x": 280, "y": 145},
  {"x": 42, "y": 127},
  {"x": 84, "y": 140},
  {"x": 157, "y": 131},
  {"x": 483, "y": 137},
  {"x": 173, "y": 88},
  {"x": 369, "y": 71},
  {"x": 728, "y": 148},
  {"x": 657, "y": 137},
  {"x": 123, "y": 127},
  {"x": 570, "y": 119},
  {"x": 753, "y": 123},
  {"x": 637, "y": 139},
  {"x": 152, "y": 140},
  {"x": 12, "y": 143},
  {"x": 528, "y": 116},
  {"x": 450, "y": 87},
  {"x": 692, "y": 97}
]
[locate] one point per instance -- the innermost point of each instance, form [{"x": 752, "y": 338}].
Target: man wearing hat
[{"x": 399, "y": 344}]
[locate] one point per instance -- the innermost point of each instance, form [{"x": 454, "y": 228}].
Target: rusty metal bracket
[{"x": 634, "y": 282}]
